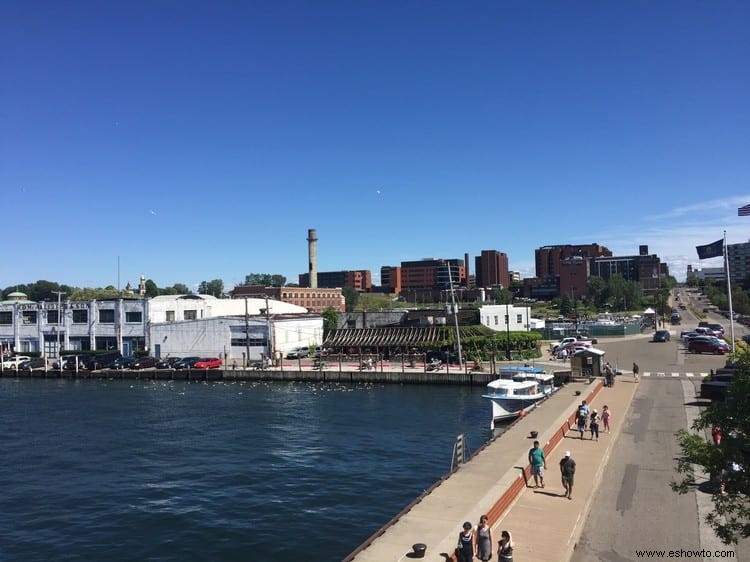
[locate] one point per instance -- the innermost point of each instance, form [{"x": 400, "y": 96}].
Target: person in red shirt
[{"x": 716, "y": 435}]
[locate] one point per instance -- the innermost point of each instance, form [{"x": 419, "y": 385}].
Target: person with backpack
[{"x": 582, "y": 417}]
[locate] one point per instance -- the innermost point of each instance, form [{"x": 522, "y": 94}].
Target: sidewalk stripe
[
  {"x": 675, "y": 374},
  {"x": 661, "y": 374},
  {"x": 646, "y": 374},
  {"x": 704, "y": 374},
  {"x": 688, "y": 374}
]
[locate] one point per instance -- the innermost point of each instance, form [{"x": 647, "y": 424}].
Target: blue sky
[{"x": 200, "y": 140}]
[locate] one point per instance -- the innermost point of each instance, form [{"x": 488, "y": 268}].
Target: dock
[{"x": 496, "y": 480}]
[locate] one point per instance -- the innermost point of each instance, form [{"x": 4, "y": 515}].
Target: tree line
[{"x": 43, "y": 290}]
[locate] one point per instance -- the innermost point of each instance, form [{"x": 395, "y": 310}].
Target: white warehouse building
[
  {"x": 233, "y": 329},
  {"x": 501, "y": 317},
  {"x": 235, "y": 338}
]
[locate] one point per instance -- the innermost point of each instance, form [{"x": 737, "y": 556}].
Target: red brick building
[{"x": 314, "y": 300}]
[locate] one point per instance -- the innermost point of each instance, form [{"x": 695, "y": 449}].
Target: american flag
[{"x": 743, "y": 211}]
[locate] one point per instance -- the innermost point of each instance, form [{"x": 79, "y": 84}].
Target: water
[{"x": 177, "y": 471}]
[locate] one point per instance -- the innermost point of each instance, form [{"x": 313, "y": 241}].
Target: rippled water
[{"x": 141, "y": 470}]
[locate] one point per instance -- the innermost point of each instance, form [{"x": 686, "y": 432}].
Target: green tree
[
  {"x": 330, "y": 320},
  {"x": 214, "y": 287},
  {"x": 351, "y": 296},
  {"x": 730, "y": 517},
  {"x": 151, "y": 289},
  {"x": 502, "y": 296},
  {"x": 596, "y": 290},
  {"x": 566, "y": 305},
  {"x": 265, "y": 279}
]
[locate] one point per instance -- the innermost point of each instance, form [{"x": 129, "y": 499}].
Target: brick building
[{"x": 314, "y": 300}]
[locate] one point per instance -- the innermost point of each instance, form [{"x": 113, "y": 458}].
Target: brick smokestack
[
  {"x": 312, "y": 250},
  {"x": 466, "y": 267}
]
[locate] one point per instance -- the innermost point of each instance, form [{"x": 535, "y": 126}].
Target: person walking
[
  {"x": 466, "y": 546},
  {"x": 538, "y": 464},
  {"x": 636, "y": 370},
  {"x": 505, "y": 547},
  {"x": 606, "y": 414},
  {"x": 484, "y": 539},
  {"x": 716, "y": 434},
  {"x": 594, "y": 425},
  {"x": 582, "y": 417},
  {"x": 567, "y": 472}
]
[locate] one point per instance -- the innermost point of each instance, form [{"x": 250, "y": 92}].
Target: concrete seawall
[{"x": 489, "y": 483}]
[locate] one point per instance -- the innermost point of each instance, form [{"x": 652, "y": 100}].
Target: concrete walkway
[{"x": 494, "y": 482}]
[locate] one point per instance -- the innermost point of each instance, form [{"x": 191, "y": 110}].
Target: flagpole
[{"x": 729, "y": 292}]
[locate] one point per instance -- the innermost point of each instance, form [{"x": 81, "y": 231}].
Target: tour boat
[{"x": 511, "y": 398}]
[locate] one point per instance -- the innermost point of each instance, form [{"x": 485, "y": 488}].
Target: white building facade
[
  {"x": 50, "y": 327},
  {"x": 501, "y": 317}
]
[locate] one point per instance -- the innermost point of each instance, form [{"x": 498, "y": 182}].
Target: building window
[
  {"x": 190, "y": 315},
  {"x": 519, "y": 318},
  {"x": 80, "y": 316},
  {"x": 6, "y": 318},
  {"x": 107, "y": 316},
  {"x": 496, "y": 321},
  {"x": 135, "y": 317},
  {"x": 29, "y": 316},
  {"x": 52, "y": 317},
  {"x": 170, "y": 315}
]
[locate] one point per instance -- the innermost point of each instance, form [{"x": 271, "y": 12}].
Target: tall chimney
[
  {"x": 312, "y": 250},
  {"x": 466, "y": 267}
]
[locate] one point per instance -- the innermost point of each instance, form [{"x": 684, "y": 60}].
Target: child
[
  {"x": 594, "y": 425},
  {"x": 606, "y": 414}
]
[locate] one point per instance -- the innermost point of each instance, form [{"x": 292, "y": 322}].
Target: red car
[{"x": 207, "y": 363}]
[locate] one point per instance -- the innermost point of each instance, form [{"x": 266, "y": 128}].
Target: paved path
[{"x": 492, "y": 482}]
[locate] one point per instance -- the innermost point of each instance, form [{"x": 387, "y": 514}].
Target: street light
[{"x": 507, "y": 332}]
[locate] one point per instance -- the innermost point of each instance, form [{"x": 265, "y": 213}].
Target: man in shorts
[{"x": 538, "y": 464}]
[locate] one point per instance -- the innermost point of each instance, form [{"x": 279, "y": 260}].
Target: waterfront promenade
[{"x": 544, "y": 524}]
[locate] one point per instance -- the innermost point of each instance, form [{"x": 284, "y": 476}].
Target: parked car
[
  {"x": 101, "y": 361},
  {"x": 69, "y": 363},
  {"x": 746, "y": 338},
  {"x": 144, "y": 363},
  {"x": 123, "y": 363},
  {"x": 718, "y": 329},
  {"x": 186, "y": 363},
  {"x": 33, "y": 364},
  {"x": 661, "y": 336},
  {"x": 207, "y": 363},
  {"x": 14, "y": 362},
  {"x": 707, "y": 344},
  {"x": 167, "y": 362},
  {"x": 298, "y": 353}
]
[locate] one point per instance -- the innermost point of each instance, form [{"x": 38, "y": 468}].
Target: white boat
[
  {"x": 510, "y": 397},
  {"x": 529, "y": 373}
]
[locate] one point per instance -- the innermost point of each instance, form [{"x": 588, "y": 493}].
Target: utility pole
[
  {"x": 59, "y": 319},
  {"x": 455, "y": 314}
]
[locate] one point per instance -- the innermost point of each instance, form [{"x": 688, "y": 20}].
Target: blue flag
[{"x": 711, "y": 250}]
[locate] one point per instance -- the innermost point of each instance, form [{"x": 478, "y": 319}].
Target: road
[{"x": 634, "y": 507}]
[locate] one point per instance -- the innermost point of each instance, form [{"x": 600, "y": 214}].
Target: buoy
[{"x": 521, "y": 414}]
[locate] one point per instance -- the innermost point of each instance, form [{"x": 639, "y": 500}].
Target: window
[
  {"x": 107, "y": 316},
  {"x": 495, "y": 320},
  {"x": 190, "y": 315},
  {"x": 170, "y": 315},
  {"x": 135, "y": 317},
  {"x": 80, "y": 316},
  {"x": 52, "y": 317},
  {"x": 6, "y": 318},
  {"x": 29, "y": 316},
  {"x": 519, "y": 318}
]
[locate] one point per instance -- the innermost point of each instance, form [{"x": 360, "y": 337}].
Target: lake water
[{"x": 176, "y": 471}]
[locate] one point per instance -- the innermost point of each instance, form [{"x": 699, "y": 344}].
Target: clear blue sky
[{"x": 200, "y": 140}]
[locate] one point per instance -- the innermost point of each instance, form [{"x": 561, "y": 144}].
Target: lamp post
[
  {"x": 507, "y": 332},
  {"x": 59, "y": 317}
]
